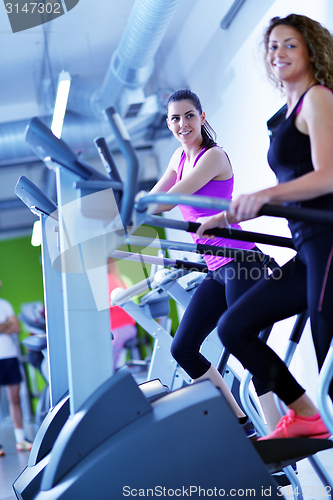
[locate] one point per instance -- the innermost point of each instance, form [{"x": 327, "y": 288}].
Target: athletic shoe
[
  {"x": 249, "y": 429},
  {"x": 24, "y": 446},
  {"x": 2, "y": 451},
  {"x": 296, "y": 426}
]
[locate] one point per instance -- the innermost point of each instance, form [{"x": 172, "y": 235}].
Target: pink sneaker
[{"x": 295, "y": 426}]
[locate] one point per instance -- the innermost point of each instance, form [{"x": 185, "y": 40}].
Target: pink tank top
[{"x": 213, "y": 189}]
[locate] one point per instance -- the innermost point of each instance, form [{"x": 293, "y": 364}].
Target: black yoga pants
[
  {"x": 305, "y": 282},
  {"x": 215, "y": 294}
]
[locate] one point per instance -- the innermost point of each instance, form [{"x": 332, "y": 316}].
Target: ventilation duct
[
  {"x": 131, "y": 64},
  {"x": 79, "y": 132},
  {"x": 130, "y": 68}
]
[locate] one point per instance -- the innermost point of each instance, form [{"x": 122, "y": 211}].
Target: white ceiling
[{"x": 82, "y": 42}]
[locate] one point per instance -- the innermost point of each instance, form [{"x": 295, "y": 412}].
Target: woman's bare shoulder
[
  {"x": 175, "y": 158},
  {"x": 217, "y": 154},
  {"x": 318, "y": 103},
  {"x": 318, "y": 94}
]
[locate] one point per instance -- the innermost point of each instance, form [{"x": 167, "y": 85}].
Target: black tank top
[{"x": 289, "y": 157}]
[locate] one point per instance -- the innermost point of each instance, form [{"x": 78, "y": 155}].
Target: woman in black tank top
[{"x": 299, "y": 59}]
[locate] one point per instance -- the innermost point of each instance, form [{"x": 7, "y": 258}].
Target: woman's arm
[
  {"x": 316, "y": 119},
  {"x": 213, "y": 164},
  {"x": 220, "y": 220}
]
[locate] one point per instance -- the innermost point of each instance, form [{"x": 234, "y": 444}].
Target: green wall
[
  {"x": 21, "y": 276},
  {"x": 20, "y": 272}
]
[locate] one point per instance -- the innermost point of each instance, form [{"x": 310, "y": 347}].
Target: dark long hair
[
  {"x": 207, "y": 132},
  {"x": 319, "y": 42}
]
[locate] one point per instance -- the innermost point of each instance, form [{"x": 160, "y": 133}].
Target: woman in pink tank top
[{"x": 199, "y": 166}]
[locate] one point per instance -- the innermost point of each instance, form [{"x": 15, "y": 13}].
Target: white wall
[{"x": 224, "y": 68}]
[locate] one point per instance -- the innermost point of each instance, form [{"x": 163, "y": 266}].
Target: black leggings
[
  {"x": 306, "y": 282},
  {"x": 215, "y": 294}
]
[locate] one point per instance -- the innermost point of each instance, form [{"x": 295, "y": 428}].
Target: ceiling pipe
[
  {"x": 130, "y": 68},
  {"x": 79, "y": 132},
  {"x": 10, "y": 204},
  {"x": 131, "y": 64}
]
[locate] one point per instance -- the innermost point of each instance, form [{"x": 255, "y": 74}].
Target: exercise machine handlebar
[
  {"x": 48, "y": 147},
  {"x": 120, "y": 295},
  {"x": 144, "y": 200},
  {"x": 238, "y": 254},
  {"x": 107, "y": 159},
  {"x": 34, "y": 198},
  {"x": 304, "y": 214},
  {"x": 125, "y": 146},
  {"x": 231, "y": 234},
  {"x": 160, "y": 261}
]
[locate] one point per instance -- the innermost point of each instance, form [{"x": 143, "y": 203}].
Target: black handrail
[
  {"x": 47, "y": 146},
  {"x": 304, "y": 214},
  {"x": 131, "y": 181},
  {"x": 231, "y": 234},
  {"x": 107, "y": 160}
]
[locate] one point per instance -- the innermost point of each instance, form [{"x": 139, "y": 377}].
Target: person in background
[
  {"x": 299, "y": 59},
  {"x": 10, "y": 375},
  {"x": 123, "y": 327}
]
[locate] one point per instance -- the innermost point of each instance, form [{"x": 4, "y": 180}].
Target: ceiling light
[
  {"x": 36, "y": 238},
  {"x": 64, "y": 83}
]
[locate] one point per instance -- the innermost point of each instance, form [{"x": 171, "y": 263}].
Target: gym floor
[{"x": 14, "y": 462}]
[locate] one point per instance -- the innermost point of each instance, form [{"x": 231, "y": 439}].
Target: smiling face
[
  {"x": 185, "y": 121},
  {"x": 288, "y": 55}
]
